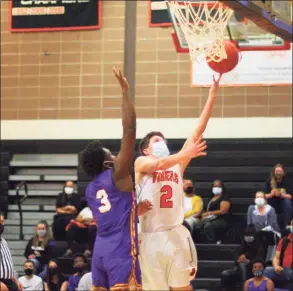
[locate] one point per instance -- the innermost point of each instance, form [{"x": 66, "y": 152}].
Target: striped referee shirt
[{"x": 6, "y": 264}]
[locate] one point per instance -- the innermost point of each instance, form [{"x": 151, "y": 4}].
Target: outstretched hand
[
  {"x": 122, "y": 80},
  {"x": 197, "y": 148}
]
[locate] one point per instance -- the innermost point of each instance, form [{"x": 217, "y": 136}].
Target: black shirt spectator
[
  {"x": 250, "y": 249},
  {"x": 214, "y": 220},
  {"x": 68, "y": 204},
  {"x": 54, "y": 277}
]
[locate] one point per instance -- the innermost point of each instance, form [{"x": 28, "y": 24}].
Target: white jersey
[{"x": 164, "y": 189}]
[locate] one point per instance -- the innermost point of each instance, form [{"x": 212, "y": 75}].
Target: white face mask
[
  {"x": 68, "y": 190},
  {"x": 259, "y": 201},
  {"x": 41, "y": 232},
  {"x": 160, "y": 150},
  {"x": 217, "y": 190}
]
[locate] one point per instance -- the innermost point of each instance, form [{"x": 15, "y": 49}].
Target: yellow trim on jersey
[{"x": 94, "y": 288}]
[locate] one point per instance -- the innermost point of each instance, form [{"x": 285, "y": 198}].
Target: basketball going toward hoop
[{"x": 228, "y": 64}]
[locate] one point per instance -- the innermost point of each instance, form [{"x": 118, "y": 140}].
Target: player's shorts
[
  {"x": 114, "y": 273},
  {"x": 167, "y": 259}
]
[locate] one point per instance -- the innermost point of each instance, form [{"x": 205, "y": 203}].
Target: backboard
[{"x": 244, "y": 32}]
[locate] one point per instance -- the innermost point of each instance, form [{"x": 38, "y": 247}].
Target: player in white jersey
[{"x": 168, "y": 257}]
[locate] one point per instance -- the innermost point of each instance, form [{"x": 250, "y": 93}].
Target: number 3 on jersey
[
  {"x": 166, "y": 197},
  {"x": 106, "y": 205}
]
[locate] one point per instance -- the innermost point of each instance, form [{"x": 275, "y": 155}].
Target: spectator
[
  {"x": 83, "y": 231},
  {"x": 67, "y": 207},
  {"x": 214, "y": 221},
  {"x": 279, "y": 194},
  {"x": 80, "y": 267},
  {"x": 259, "y": 282},
  {"x": 38, "y": 249},
  {"x": 283, "y": 261},
  {"x": 264, "y": 218},
  {"x": 30, "y": 281},
  {"x": 7, "y": 276},
  {"x": 54, "y": 278},
  {"x": 86, "y": 282},
  {"x": 193, "y": 205},
  {"x": 250, "y": 249}
]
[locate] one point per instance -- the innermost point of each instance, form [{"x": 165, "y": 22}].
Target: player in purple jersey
[{"x": 112, "y": 202}]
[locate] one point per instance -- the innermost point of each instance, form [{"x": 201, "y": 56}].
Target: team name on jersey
[{"x": 164, "y": 176}]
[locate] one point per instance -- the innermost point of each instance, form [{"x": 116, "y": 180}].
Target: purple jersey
[{"x": 116, "y": 217}]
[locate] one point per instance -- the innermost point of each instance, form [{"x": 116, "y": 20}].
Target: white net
[{"x": 203, "y": 27}]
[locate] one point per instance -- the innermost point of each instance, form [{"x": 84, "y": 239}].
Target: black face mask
[
  {"x": 189, "y": 190},
  {"x": 1, "y": 228},
  {"x": 78, "y": 269},
  {"x": 28, "y": 272},
  {"x": 53, "y": 271}
]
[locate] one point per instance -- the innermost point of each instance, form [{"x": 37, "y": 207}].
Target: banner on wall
[
  {"x": 33, "y": 15},
  {"x": 158, "y": 13},
  {"x": 255, "y": 68}
]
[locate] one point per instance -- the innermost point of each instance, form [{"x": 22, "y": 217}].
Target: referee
[{"x": 6, "y": 264}]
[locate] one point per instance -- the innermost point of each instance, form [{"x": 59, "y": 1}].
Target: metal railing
[{"x": 21, "y": 185}]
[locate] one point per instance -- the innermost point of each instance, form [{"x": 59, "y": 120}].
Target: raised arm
[
  {"x": 124, "y": 159},
  {"x": 150, "y": 165},
  {"x": 203, "y": 119}
]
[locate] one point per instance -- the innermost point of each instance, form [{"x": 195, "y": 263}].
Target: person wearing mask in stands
[
  {"x": 30, "y": 282},
  {"x": 83, "y": 230},
  {"x": 67, "y": 206},
  {"x": 279, "y": 192},
  {"x": 80, "y": 268},
  {"x": 214, "y": 221},
  {"x": 250, "y": 249},
  {"x": 259, "y": 282},
  {"x": 54, "y": 278},
  {"x": 38, "y": 248},
  {"x": 193, "y": 205},
  {"x": 264, "y": 218},
  {"x": 7, "y": 275},
  {"x": 283, "y": 260}
]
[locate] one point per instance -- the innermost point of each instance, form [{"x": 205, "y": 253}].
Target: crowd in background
[{"x": 264, "y": 257}]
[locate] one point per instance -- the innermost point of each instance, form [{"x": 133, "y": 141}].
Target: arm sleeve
[
  {"x": 59, "y": 202},
  {"x": 28, "y": 248},
  {"x": 272, "y": 220},
  {"x": 249, "y": 215},
  {"x": 268, "y": 188}
]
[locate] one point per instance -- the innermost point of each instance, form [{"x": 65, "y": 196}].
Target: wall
[
  {"x": 47, "y": 76},
  {"x": 62, "y": 75}
]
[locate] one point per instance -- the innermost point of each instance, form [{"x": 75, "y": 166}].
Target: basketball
[{"x": 226, "y": 65}]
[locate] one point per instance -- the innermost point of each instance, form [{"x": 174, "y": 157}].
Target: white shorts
[{"x": 167, "y": 259}]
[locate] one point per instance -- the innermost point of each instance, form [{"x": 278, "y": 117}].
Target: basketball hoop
[{"x": 203, "y": 27}]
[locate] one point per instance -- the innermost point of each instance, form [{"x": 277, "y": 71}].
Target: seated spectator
[
  {"x": 250, "y": 249},
  {"x": 80, "y": 268},
  {"x": 67, "y": 206},
  {"x": 279, "y": 194},
  {"x": 82, "y": 230},
  {"x": 193, "y": 205},
  {"x": 259, "y": 282},
  {"x": 264, "y": 218},
  {"x": 54, "y": 279},
  {"x": 86, "y": 282},
  {"x": 281, "y": 270},
  {"x": 213, "y": 221},
  {"x": 38, "y": 250},
  {"x": 30, "y": 281}
]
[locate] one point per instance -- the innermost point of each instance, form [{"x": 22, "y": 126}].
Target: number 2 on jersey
[
  {"x": 166, "y": 197},
  {"x": 105, "y": 203}
]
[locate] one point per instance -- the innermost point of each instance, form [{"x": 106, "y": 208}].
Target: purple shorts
[{"x": 110, "y": 272}]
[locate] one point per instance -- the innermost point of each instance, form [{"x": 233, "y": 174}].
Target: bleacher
[{"x": 243, "y": 164}]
